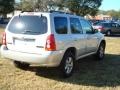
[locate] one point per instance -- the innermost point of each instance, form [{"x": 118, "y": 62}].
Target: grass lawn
[{"x": 89, "y": 75}]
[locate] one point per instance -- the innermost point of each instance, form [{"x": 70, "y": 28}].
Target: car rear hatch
[{"x": 27, "y": 34}]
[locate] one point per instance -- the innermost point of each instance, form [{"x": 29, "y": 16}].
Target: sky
[{"x": 110, "y": 4}]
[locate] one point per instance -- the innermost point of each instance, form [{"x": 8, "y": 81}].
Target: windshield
[{"x": 32, "y": 25}]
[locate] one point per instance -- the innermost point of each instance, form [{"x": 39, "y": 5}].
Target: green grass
[{"x": 89, "y": 74}]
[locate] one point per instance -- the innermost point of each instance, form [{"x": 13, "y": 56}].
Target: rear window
[
  {"x": 32, "y": 25},
  {"x": 106, "y": 24},
  {"x": 98, "y": 24}
]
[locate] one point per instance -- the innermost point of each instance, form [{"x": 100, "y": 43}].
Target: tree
[
  {"x": 112, "y": 13},
  {"x": 33, "y": 5},
  {"x": 6, "y": 6},
  {"x": 26, "y": 5},
  {"x": 79, "y": 7},
  {"x": 84, "y": 7}
]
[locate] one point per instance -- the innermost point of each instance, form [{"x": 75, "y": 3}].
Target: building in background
[
  {"x": 16, "y": 12},
  {"x": 99, "y": 17}
]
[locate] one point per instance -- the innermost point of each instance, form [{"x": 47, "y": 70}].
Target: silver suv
[{"x": 50, "y": 39}]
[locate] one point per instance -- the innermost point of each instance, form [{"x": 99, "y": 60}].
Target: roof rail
[
  {"x": 62, "y": 12},
  {"x": 26, "y": 11}
]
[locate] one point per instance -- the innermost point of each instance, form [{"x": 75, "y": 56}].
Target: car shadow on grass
[{"x": 89, "y": 72}]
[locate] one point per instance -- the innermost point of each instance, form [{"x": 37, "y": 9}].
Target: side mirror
[{"x": 95, "y": 31}]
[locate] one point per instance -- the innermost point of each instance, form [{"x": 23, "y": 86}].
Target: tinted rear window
[
  {"x": 98, "y": 24},
  {"x": 106, "y": 24},
  {"x": 32, "y": 25}
]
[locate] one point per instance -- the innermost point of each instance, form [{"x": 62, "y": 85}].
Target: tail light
[
  {"x": 4, "y": 39},
  {"x": 50, "y": 43},
  {"x": 101, "y": 28}
]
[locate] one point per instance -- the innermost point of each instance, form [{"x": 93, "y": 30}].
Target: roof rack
[{"x": 62, "y": 12}]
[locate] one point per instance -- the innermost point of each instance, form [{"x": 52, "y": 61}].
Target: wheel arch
[
  {"x": 102, "y": 41},
  {"x": 62, "y": 64},
  {"x": 73, "y": 51}
]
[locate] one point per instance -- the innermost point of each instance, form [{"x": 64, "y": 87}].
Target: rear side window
[
  {"x": 61, "y": 25},
  {"x": 32, "y": 25},
  {"x": 75, "y": 26}
]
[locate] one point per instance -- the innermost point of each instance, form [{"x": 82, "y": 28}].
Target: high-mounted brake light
[{"x": 50, "y": 43}]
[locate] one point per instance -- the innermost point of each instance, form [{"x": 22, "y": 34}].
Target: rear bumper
[{"x": 49, "y": 58}]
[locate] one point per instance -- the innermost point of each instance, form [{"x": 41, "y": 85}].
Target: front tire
[
  {"x": 101, "y": 52},
  {"x": 67, "y": 64},
  {"x": 21, "y": 65}
]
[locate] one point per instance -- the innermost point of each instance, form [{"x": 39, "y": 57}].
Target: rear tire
[
  {"x": 67, "y": 65},
  {"x": 108, "y": 33},
  {"x": 21, "y": 65}
]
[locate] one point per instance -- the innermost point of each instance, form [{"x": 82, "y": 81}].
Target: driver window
[{"x": 86, "y": 26}]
